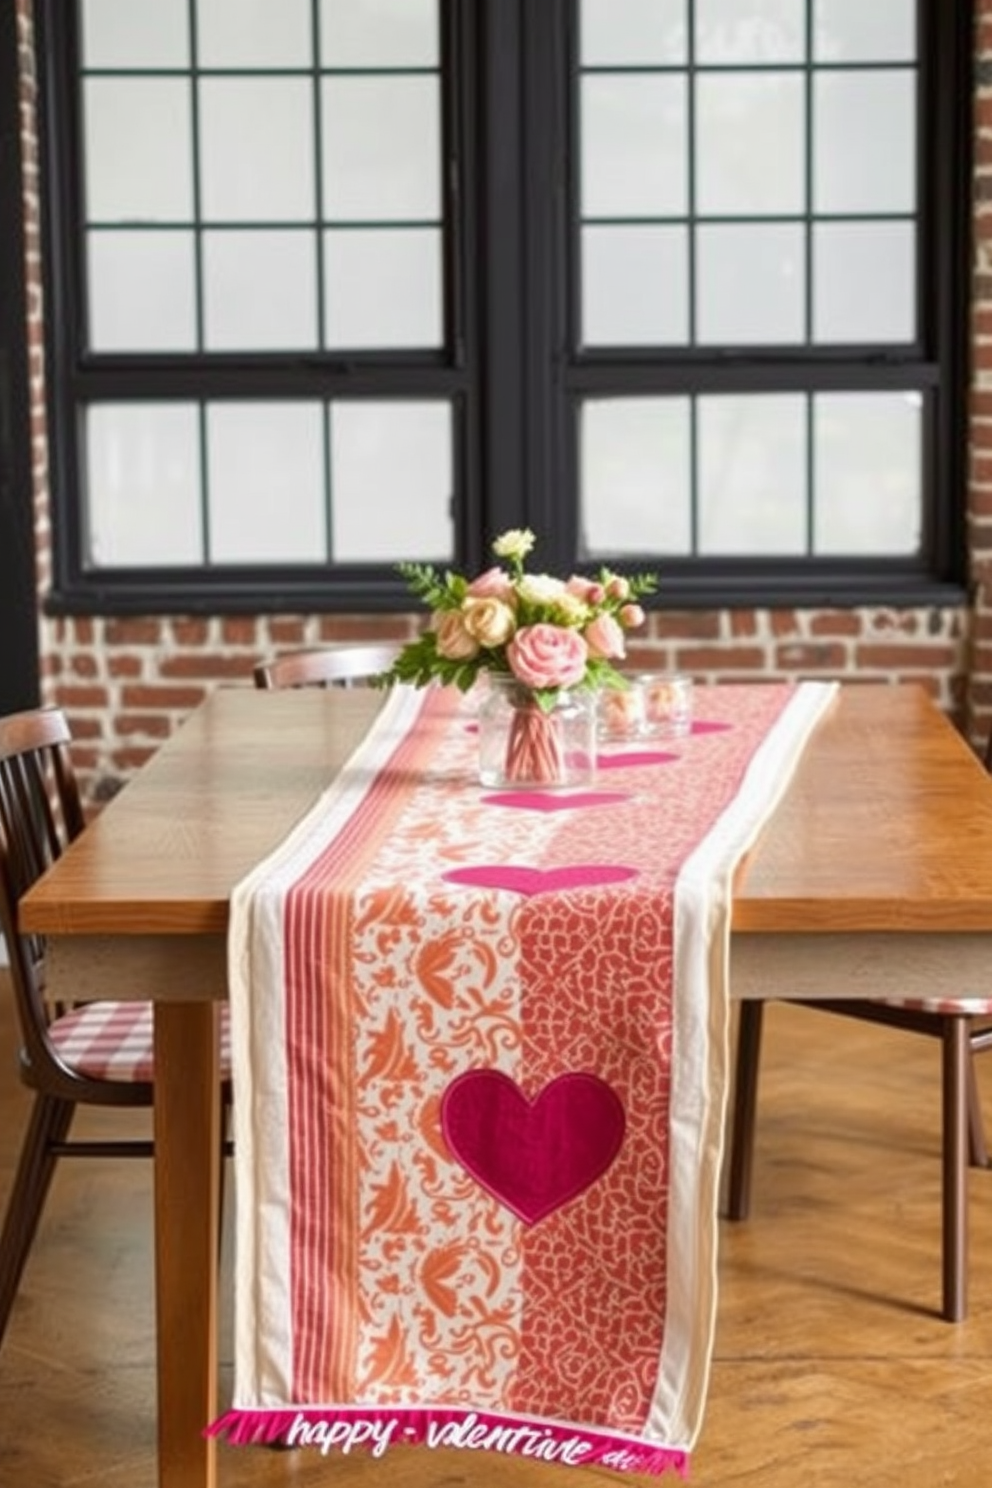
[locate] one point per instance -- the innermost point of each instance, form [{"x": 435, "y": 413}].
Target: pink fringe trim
[{"x": 376, "y": 1428}]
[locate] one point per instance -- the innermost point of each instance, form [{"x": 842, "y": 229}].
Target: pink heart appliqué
[
  {"x": 555, "y": 801},
  {"x": 533, "y": 1156},
  {"x": 522, "y": 880},
  {"x": 635, "y": 757}
]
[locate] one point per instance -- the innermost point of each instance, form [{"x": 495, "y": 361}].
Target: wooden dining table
[{"x": 873, "y": 877}]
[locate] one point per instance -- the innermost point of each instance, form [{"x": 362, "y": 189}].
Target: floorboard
[{"x": 832, "y": 1367}]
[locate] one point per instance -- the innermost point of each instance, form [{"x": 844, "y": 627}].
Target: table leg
[{"x": 187, "y": 1157}]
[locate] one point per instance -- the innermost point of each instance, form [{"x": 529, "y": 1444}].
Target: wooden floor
[{"x": 831, "y": 1367}]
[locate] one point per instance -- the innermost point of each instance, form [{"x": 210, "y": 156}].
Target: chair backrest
[
  {"x": 40, "y": 813},
  {"x": 345, "y": 665}
]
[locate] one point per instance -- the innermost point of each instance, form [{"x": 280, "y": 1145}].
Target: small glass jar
[
  {"x": 667, "y": 703},
  {"x": 523, "y": 746}
]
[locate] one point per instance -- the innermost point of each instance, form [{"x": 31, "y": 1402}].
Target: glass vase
[{"x": 522, "y": 746}]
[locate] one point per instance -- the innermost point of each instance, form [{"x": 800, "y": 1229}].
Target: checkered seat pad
[
  {"x": 114, "y": 1041},
  {"x": 973, "y": 1007}
]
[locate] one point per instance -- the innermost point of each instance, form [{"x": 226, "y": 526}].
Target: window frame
[{"x": 512, "y": 365}]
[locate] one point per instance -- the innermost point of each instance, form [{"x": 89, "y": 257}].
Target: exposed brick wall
[{"x": 126, "y": 684}]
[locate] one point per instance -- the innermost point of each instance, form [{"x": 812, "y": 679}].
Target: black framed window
[{"x": 339, "y": 282}]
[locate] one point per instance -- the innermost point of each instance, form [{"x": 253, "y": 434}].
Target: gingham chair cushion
[
  {"x": 975, "y": 1007},
  {"x": 113, "y": 1041}
]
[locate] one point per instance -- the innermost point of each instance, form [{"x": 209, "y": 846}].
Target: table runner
[{"x": 479, "y": 1047}]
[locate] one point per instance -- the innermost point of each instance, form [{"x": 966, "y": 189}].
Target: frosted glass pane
[
  {"x": 142, "y": 291},
  {"x": 259, "y": 290},
  {"x": 135, "y": 33},
  {"x": 138, "y": 150},
  {"x": 265, "y": 464},
  {"x": 383, "y": 288},
  {"x": 868, "y": 456},
  {"x": 254, "y": 33},
  {"x": 752, "y": 475},
  {"x": 378, "y": 33},
  {"x": 641, "y": 32},
  {"x": 634, "y": 477},
  {"x": 635, "y": 286},
  {"x": 391, "y": 478},
  {"x": 256, "y": 149},
  {"x": 864, "y": 281},
  {"x": 864, "y": 142},
  {"x": 760, "y": 31},
  {"x": 858, "y": 31},
  {"x": 750, "y": 285},
  {"x": 633, "y": 153},
  {"x": 381, "y": 149},
  {"x": 750, "y": 152},
  {"x": 143, "y": 485}
]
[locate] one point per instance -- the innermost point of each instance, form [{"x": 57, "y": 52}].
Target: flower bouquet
[{"x": 545, "y": 645}]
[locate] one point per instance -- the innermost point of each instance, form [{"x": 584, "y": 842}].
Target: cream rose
[
  {"x": 540, "y": 589},
  {"x": 454, "y": 641},
  {"x": 488, "y": 621},
  {"x": 515, "y": 544},
  {"x": 547, "y": 656}
]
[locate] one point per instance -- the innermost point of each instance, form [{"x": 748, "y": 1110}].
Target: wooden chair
[
  {"x": 963, "y": 1027},
  {"x": 346, "y": 665},
  {"x": 92, "y": 1053}
]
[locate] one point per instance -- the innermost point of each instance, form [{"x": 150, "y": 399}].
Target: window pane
[
  {"x": 378, "y": 33},
  {"x": 138, "y": 150},
  {"x": 634, "y": 477},
  {"x": 142, "y": 291},
  {"x": 868, "y": 459},
  {"x": 266, "y": 483},
  {"x": 383, "y": 288},
  {"x": 633, "y": 146},
  {"x": 135, "y": 33},
  {"x": 750, "y": 285},
  {"x": 752, "y": 475},
  {"x": 864, "y": 277},
  {"x": 856, "y": 31},
  {"x": 632, "y": 32},
  {"x": 760, "y": 31},
  {"x": 635, "y": 286},
  {"x": 143, "y": 486},
  {"x": 259, "y": 290},
  {"x": 381, "y": 149},
  {"x": 254, "y": 33},
  {"x": 391, "y": 478},
  {"x": 256, "y": 149},
  {"x": 864, "y": 142},
  {"x": 750, "y": 153}
]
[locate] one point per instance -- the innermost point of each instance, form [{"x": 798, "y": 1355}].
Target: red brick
[
  {"x": 133, "y": 632},
  {"x": 900, "y": 658},
  {"x": 716, "y": 659},
  {"x": 743, "y": 623},
  {"x": 239, "y": 630},
  {"x": 177, "y": 699},
  {"x": 123, "y": 665},
  {"x": 69, "y": 696},
  {"x": 208, "y": 667},
  {"x": 807, "y": 656},
  {"x": 193, "y": 632},
  {"x": 678, "y": 625},
  {"x": 784, "y": 623},
  {"x": 291, "y": 632},
  {"x": 836, "y": 623},
  {"x": 151, "y": 725}
]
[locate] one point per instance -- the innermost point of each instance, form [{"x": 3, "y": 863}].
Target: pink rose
[
  {"x": 631, "y": 616},
  {"x": 587, "y": 590},
  {"x": 547, "y": 656},
  {"x": 605, "y": 639},
  {"x": 453, "y": 641},
  {"x": 618, "y": 587},
  {"x": 495, "y": 583}
]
